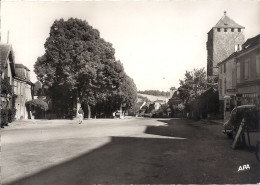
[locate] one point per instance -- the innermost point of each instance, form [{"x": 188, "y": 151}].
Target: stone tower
[{"x": 224, "y": 38}]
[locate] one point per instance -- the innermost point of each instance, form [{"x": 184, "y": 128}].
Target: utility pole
[{"x": 8, "y": 37}]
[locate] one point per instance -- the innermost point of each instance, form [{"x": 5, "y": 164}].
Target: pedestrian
[
  {"x": 114, "y": 115},
  {"x": 81, "y": 115}
]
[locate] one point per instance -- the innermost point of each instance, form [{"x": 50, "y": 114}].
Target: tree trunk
[
  {"x": 121, "y": 113},
  {"x": 89, "y": 111}
]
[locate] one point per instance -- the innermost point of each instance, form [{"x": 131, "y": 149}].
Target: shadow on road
[
  {"x": 178, "y": 128},
  {"x": 123, "y": 160},
  {"x": 202, "y": 158}
]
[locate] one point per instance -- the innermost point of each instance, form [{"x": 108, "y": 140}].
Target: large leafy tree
[
  {"x": 125, "y": 96},
  {"x": 78, "y": 62},
  {"x": 193, "y": 85},
  {"x": 128, "y": 92}
]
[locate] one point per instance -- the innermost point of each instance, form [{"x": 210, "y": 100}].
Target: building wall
[
  {"x": 248, "y": 83},
  {"x": 21, "y": 72},
  {"x": 221, "y": 45},
  {"x": 227, "y": 78},
  {"x": 210, "y": 53},
  {"x": 249, "y": 58},
  {"x": 8, "y": 74},
  {"x": 23, "y": 92}
]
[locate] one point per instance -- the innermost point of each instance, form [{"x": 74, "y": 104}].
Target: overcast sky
[{"x": 157, "y": 41}]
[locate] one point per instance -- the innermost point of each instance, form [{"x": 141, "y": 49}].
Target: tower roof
[{"x": 226, "y": 22}]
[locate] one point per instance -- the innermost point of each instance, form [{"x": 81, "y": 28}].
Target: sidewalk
[{"x": 30, "y": 122}]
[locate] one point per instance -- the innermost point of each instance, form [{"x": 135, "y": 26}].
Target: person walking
[{"x": 81, "y": 115}]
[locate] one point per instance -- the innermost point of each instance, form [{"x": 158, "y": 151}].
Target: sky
[{"x": 157, "y": 41}]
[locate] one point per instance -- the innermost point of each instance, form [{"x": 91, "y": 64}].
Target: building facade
[
  {"x": 23, "y": 89},
  {"x": 239, "y": 77},
  {"x": 227, "y": 85},
  {"x": 248, "y": 72},
  {"x": 7, "y": 74},
  {"x": 227, "y": 77},
  {"x": 223, "y": 39},
  {"x": 18, "y": 77}
]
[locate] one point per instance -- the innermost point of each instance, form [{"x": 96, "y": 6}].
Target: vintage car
[
  {"x": 249, "y": 114},
  {"x": 116, "y": 114}
]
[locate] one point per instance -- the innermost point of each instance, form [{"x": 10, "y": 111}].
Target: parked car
[
  {"x": 250, "y": 114},
  {"x": 117, "y": 114}
]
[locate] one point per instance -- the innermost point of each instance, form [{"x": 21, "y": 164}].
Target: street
[{"x": 136, "y": 150}]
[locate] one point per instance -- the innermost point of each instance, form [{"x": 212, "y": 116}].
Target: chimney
[{"x": 225, "y": 12}]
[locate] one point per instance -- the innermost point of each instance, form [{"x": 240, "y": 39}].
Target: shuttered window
[
  {"x": 246, "y": 72},
  {"x": 238, "y": 72},
  {"x": 258, "y": 65}
]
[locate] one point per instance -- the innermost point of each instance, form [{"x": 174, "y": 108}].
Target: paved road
[{"x": 121, "y": 151}]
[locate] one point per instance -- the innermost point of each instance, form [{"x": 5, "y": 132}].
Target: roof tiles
[{"x": 226, "y": 22}]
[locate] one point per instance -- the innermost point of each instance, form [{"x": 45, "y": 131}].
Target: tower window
[
  {"x": 232, "y": 29},
  {"x": 225, "y": 29},
  {"x": 239, "y": 29},
  {"x": 218, "y": 29},
  {"x": 238, "y": 47}
]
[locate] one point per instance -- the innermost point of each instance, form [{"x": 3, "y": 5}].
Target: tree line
[
  {"x": 155, "y": 92},
  {"x": 79, "y": 66}
]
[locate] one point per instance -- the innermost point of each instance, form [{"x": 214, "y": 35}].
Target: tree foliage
[
  {"x": 37, "y": 103},
  {"x": 78, "y": 64},
  {"x": 125, "y": 96},
  {"x": 6, "y": 87},
  {"x": 128, "y": 92},
  {"x": 193, "y": 85}
]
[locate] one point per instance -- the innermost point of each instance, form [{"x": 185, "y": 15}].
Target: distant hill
[{"x": 153, "y": 98}]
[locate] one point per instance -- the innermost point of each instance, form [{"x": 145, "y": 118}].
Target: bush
[
  {"x": 161, "y": 112},
  {"x": 6, "y": 88},
  {"x": 37, "y": 107},
  {"x": 7, "y": 116},
  {"x": 11, "y": 114},
  {"x": 37, "y": 103},
  {"x": 4, "y": 117}
]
